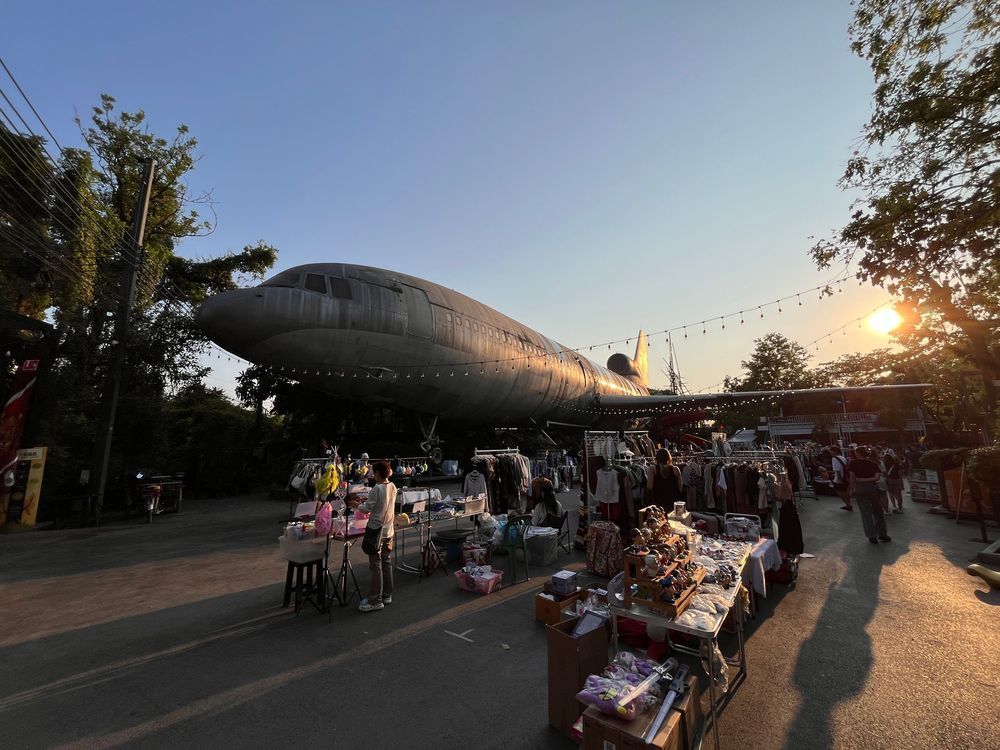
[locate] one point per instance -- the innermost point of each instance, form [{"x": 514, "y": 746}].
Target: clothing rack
[
  {"x": 495, "y": 451},
  {"x": 590, "y": 437}
]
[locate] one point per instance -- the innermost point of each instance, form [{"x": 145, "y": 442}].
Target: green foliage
[
  {"x": 209, "y": 438},
  {"x": 943, "y": 458},
  {"x": 926, "y": 226},
  {"x": 984, "y": 465},
  {"x": 62, "y": 253},
  {"x": 777, "y": 363}
]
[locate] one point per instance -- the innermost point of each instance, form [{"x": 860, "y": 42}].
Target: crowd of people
[{"x": 870, "y": 478}]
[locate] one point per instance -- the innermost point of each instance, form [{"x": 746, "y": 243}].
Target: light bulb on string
[
  {"x": 685, "y": 331},
  {"x": 723, "y": 324},
  {"x": 741, "y": 317},
  {"x": 778, "y": 303},
  {"x": 760, "y": 309},
  {"x": 840, "y": 289},
  {"x": 799, "y": 297}
]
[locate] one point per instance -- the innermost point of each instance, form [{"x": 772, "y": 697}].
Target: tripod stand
[{"x": 339, "y": 589}]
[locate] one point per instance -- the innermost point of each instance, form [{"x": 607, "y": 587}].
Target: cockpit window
[
  {"x": 316, "y": 283},
  {"x": 285, "y": 278},
  {"x": 340, "y": 288}
]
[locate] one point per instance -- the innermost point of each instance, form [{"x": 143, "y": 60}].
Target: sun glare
[{"x": 884, "y": 320}]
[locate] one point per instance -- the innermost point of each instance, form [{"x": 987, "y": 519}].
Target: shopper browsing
[
  {"x": 894, "y": 480},
  {"x": 664, "y": 484},
  {"x": 840, "y": 484},
  {"x": 381, "y": 504},
  {"x": 548, "y": 510},
  {"x": 863, "y": 474}
]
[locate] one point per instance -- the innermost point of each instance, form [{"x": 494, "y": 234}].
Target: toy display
[{"x": 659, "y": 571}]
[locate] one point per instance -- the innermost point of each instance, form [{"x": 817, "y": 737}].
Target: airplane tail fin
[{"x": 641, "y": 358}]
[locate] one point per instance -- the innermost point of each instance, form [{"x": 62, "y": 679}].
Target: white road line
[{"x": 462, "y": 635}]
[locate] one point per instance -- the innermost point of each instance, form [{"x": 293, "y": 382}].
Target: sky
[{"x": 587, "y": 168}]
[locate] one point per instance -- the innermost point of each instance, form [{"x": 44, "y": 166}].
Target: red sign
[{"x": 15, "y": 413}]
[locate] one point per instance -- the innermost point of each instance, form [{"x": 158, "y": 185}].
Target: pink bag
[{"x": 324, "y": 519}]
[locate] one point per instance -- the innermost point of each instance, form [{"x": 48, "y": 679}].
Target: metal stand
[
  {"x": 339, "y": 589},
  {"x": 708, "y": 641}
]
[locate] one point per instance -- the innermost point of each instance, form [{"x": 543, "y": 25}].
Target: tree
[
  {"x": 877, "y": 367},
  {"x": 777, "y": 363},
  {"x": 926, "y": 226},
  {"x": 62, "y": 254}
]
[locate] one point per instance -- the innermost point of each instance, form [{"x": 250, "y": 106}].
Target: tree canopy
[
  {"x": 927, "y": 224},
  {"x": 61, "y": 254}
]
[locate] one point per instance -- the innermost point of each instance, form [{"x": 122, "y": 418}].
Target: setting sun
[{"x": 884, "y": 320}]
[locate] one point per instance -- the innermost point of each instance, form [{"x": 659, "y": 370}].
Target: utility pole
[{"x": 112, "y": 383}]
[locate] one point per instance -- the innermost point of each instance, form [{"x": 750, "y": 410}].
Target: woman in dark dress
[{"x": 664, "y": 486}]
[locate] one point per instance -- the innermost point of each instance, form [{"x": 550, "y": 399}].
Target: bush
[
  {"x": 984, "y": 466},
  {"x": 944, "y": 458}
]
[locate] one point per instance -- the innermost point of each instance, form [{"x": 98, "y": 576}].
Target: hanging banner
[{"x": 15, "y": 413}]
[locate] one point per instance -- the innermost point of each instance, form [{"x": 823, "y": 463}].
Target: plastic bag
[
  {"x": 324, "y": 519},
  {"x": 721, "y": 672}
]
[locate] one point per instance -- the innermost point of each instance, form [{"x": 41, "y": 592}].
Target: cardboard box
[
  {"x": 603, "y": 732},
  {"x": 678, "y": 731},
  {"x": 689, "y": 706},
  {"x": 564, "y": 582},
  {"x": 550, "y": 612},
  {"x": 571, "y": 660}
]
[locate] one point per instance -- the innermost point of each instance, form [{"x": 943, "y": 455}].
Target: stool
[
  {"x": 453, "y": 539},
  {"x": 305, "y": 590}
]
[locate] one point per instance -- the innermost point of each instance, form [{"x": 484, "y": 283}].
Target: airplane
[{"x": 378, "y": 336}]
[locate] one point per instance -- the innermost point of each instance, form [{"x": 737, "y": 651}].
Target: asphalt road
[{"x": 172, "y": 635}]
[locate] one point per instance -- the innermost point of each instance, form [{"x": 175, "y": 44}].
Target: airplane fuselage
[{"x": 380, "y": 336}]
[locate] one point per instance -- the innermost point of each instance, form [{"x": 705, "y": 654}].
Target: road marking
[{"x": 462, "y": 635}]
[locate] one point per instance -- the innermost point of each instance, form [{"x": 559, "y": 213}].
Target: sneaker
[
  {"x": 387, "y": 599},
  {"x": 898, "y": 510},
  {"x": 873, "y": 540},
  {"x": 367, "y": 606},
  {"x": 885, "y": 538}
]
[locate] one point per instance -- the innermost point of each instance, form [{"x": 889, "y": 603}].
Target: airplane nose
[{"x": 225, "y": 319}]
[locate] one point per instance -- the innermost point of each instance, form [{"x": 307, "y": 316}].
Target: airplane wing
[{"x": 650, "y": 405}]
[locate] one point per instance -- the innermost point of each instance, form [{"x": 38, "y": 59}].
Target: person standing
[
  {"x": 381, "y": 504},
  {"x": 840, "y": 484},
  {"x": 863, "y": 475},
  {"x": 664, "y": 485},
  {"x": 894, "y": 480}
]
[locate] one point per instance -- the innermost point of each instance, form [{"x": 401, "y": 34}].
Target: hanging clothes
[{"x": 790, "y": 530}]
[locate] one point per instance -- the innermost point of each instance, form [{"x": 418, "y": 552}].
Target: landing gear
[{"x": 431, "y": 444}]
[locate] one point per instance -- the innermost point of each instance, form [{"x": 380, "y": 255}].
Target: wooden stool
[{"x": 313, "y": 583}]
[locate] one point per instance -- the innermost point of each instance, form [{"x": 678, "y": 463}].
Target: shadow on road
[{"x": 834, "y": 663}]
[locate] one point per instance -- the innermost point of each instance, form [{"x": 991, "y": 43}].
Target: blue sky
[{"x": 587, "y": 168}]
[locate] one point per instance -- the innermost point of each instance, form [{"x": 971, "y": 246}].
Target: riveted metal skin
[{"x": 379, "y": 336}]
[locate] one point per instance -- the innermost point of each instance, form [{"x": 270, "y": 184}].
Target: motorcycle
[{"x": 155, "y": 493}]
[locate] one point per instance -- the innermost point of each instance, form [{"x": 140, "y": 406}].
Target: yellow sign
[{"x": 19, "y": 500}]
